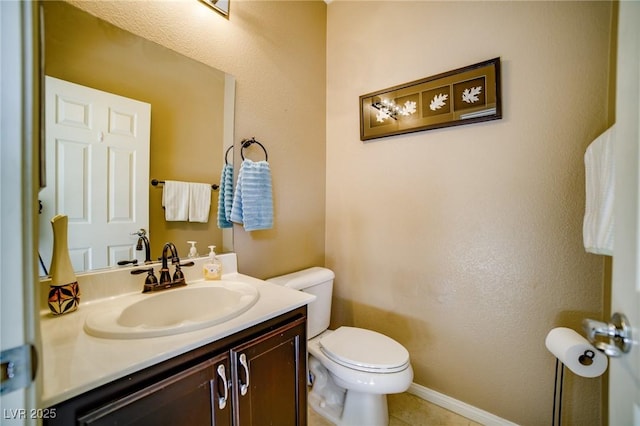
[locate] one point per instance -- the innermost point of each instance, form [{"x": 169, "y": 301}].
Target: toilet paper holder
[{"x": 613, "y": 338}]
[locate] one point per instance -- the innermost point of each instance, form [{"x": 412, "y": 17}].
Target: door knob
[{"x": 613, "y": 338}]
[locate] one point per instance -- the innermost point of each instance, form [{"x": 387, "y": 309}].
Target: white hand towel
[
  {"x": 598, "y": 224},
  {"x": 175, "y": 200},
  {"x": 199, "y": 202}
]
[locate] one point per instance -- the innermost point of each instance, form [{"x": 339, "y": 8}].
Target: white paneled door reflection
[{"x": 97, "y": 167}]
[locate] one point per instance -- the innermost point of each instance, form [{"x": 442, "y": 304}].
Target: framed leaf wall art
[{"x": 462, "y": 96}]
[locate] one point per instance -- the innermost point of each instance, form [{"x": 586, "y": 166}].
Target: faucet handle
[
  {"x": 151, "y": 278},
  {"x": 141, "y": 271},
  {"x": 178, "y": 274},
  {"x": 150, "y": 281}
]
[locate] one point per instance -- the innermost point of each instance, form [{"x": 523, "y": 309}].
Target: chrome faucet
[{"x": 169, "y": 251}]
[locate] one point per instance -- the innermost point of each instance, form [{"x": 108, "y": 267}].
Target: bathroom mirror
[{"x": 191, "y": 113}]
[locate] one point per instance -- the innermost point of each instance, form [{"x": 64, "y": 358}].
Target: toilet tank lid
[{"x": 305, "y": 278}]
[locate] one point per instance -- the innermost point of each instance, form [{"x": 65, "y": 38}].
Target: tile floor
[{"x": 406, "y": 409}]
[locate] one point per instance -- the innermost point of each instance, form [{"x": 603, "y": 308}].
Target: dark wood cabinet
[
  {"x": 185, "y": 398},
  {"x": 255, "y": 377},
  {"x": 270, "y": 379}
]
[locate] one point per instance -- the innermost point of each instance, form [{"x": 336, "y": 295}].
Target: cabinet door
[
  {"x": 269, "y": 373},
  {"x": 187, "y": 398}
]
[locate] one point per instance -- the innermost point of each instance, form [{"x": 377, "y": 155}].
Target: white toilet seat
[{"x": 364, "y": 350}]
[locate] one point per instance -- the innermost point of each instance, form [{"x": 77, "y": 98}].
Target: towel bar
[{"x": 156, "y": 182}]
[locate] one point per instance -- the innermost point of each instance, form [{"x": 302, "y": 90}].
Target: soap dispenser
[
  {"x": 193, "y": 251},
  {"x": 212, "y": 269}
]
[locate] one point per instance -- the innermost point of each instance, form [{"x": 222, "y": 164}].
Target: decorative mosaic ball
[{"x": 64, "y": 298}]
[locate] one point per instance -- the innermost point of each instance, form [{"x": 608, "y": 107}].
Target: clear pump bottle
[{"x": 212, "y": 269}]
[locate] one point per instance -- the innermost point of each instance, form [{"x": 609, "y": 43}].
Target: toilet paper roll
[{"x": 576, "y": 352}]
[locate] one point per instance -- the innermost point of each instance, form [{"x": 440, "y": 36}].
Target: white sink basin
[{"x": 172, "y": 311}]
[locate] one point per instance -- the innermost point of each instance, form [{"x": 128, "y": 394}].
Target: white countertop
[{"x": 74, "y": 362}]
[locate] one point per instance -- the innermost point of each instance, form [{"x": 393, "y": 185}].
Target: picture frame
[
  {"x": 220, "y": 6},
  {"x": 462, "y": 96}
]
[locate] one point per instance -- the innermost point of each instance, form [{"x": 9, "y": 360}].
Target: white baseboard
[{"x": 458, "y": 407}]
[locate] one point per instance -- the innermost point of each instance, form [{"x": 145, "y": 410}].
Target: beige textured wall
[
  {"x": 465, "y": 243},
  {"x": 276, "y": 51}
]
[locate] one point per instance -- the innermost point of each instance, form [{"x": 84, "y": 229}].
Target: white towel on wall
[
  {"x": 598, "y": 223},
  {"x": 199, "y": 202},
  {"x": 175, "y": 200}
]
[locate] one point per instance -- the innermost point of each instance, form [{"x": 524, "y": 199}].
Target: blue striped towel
[
  {"x": 225, "y": 197},
  {"x": 252, "y": 202}
]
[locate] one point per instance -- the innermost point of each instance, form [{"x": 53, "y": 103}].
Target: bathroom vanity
[{"x": 245, "y": 370}]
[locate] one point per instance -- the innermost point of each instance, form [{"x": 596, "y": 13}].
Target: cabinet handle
[
  {"x": 222, "y": 400},
  {"x": 244, "y": 386}
]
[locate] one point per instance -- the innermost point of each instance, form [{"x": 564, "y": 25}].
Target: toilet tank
[{"x": 319, "y": 282}]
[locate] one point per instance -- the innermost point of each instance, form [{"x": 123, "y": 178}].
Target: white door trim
[
  {"x": 624, "y": 372},
  {"x": 19, "y": 125}
]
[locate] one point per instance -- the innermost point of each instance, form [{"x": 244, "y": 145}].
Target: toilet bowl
[
  {"x": 351, "y": 369},
  {"x": 363, "y": 374}
]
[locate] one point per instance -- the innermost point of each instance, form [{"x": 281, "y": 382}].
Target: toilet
[{"x": 351, "y": 370}]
